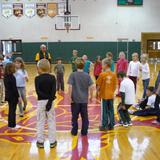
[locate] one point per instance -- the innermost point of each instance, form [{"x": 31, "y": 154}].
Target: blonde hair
[
  {"x": 107, "y": 62},
  {"x": 122, "y": 54},
  {"x": 109, "y": 54},
  {"x": 145, "y": 57},
  {"x": 44, "y": 65},
  {"x": 135, "y": 54}
]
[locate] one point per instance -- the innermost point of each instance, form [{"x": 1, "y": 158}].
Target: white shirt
[
  {"x": 151, "y": 101},
  {"x": 145, "y": 71},
  {"x": 127, "y": 87},
  {"x": 20, "y": 76},
  {"x": 133, "y": 69}
]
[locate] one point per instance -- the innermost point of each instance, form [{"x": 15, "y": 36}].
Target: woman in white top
[
  {"x": 134, "y": 69},
  {"x": 145, "y": 70}
]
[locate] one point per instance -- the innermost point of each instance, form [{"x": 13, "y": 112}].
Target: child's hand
[
  {"x": 26, "y": 78},
  {"x": 123, "y": 107},
  {"x": 20, "y": 99},
  {"x": 48, "y": 105},
  {"x": 90, "y": 99}
]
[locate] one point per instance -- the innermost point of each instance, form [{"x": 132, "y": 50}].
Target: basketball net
[{"x": 67, "y": 26}]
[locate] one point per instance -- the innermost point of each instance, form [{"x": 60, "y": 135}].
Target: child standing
[
  {"x": 127, "y": 92},
  {"x": 122, "y": 66},
  {"x": 134, "y": 69},
  {"x": 109, "y": 55},
  {"x": 45, "y": 85},
  {"x": 97, "y": 67},
  {"x": 21, "y": 78},
  {"x": 106, "y": 83},
  {"x": 2, "y": 88},
  {"x": 79, "y": 85},
  {"x": 11, "y": 93},
  {"x": 144, "y": 68},
  {"x": 73, "y": 60},
  {"x": 59, "y": 70},
  {"x": 87, "y": 64}
]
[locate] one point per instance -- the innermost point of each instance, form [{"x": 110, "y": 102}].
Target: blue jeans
[{"x": 145, "y": 86}]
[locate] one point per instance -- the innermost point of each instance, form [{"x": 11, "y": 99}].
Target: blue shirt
[
  {"x": 20, "y": 76},
  {"x": 112, "y": 66},
  {"x": 87, "y": 66}
]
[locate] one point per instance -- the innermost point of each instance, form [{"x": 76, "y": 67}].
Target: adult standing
[
  {"x": 43, "y": 54},
  {"x": 73, "y": 60}
]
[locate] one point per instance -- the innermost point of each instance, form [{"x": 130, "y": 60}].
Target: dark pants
[
  {"x": 12, "y": 113},
  {"x": 96, "y": 77},
  {"x": 134, "y": 79},
  {"x": 124, "y": 115},
  {"x": 79, "y": 108},
  {"x": 145, "y": 86},
  {"x": 143, "y": 104},
  {"x": 146, "y": 112},
  {"x": 60, "y": 81},
  {"x": 107, "y": 113},
  {"x": 149, "y": 111}
]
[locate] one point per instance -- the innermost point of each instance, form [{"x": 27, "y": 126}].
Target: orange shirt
[{"x": 107, "y": 82}]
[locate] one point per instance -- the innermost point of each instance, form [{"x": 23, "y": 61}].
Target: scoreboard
[{"x": 130, "y": 2}]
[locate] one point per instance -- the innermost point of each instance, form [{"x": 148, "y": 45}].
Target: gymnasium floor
[{"x": 139, "y": 142}]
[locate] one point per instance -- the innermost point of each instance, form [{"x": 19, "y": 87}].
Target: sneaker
[
  {"x": 53, "y": 145},
  {"x": 73, "y": 134},
  {"x": 40, "y": 145},
  {"x": 24, "y": 108},
  {"x": 21, "y": 115},
  {"x": 155, "y": 122},
  {"x": 111, "y": 128},
  {"x": 130, "y": 123},
  {"x": 101, "y": 128},
  {"x": 125, "y": 125},
  {"x": 131, "y": 112},
  {"x": 136, "y": 106}
]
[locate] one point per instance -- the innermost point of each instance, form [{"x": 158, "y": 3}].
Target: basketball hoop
[{"x": 67, "y": 26}]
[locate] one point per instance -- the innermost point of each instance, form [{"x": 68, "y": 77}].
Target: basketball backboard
[{"x": 67, "y": 22}]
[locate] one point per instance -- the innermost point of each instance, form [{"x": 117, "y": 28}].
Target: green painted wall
[{"x": 92, "y": 49}]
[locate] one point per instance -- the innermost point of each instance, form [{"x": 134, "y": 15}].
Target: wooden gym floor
[{"x": 139, "y": 142}]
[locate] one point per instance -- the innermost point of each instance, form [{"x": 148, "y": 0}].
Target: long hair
[
  {"x": 9, "y": 69},
  {"x": 20, "y": 60}
]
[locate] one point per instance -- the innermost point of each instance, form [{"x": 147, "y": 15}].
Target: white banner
[
  {"x": 7, "y": 10},
  {"x": 30, "y": 10}
]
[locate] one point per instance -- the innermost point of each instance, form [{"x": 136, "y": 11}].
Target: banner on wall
[
  {"x": 7, "y": 10},
  {"x": 52, "y": 9},
  {"x": 18, "y": 9},
  {"x": 30, "y": 10},
  {"x": 41, "y": 9},
  {"x": 61, "y": 8}
]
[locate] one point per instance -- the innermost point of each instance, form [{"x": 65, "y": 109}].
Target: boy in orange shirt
[{"x": 106, "y": 87}]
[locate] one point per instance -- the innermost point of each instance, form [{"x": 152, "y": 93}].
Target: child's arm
[
  {"x": 91, "y": 90},
  {"x": 63, "y": 68},
  {"x": 129, "y": 68},
  {"x": 26, "y": 76},
  {"x": 123, "y": 100},
  {"x": 70, "y": 92},
  {"x": 146, "y": 69},
  {"x": 52, "y": 96},
  {"x": 158, "y": 89},
  {"x": 38, "y": 90},
  {"x": 55, "y": 68}
]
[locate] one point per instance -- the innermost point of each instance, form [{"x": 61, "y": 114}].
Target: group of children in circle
[{"x": 80, "y": 89}]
